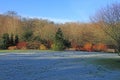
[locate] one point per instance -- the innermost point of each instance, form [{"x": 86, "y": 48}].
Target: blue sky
[{"x": 55, "y": 10}]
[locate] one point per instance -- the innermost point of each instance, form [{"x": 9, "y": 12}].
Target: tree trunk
[{"x": 118, "y": 50}]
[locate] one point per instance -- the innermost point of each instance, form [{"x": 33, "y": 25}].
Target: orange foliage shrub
[
  {"x": 100, "y": 47},
  {"x": 21, "y": 45},
  {"x": 88, "y": 47},
  {"x": 43, "y": 47}
]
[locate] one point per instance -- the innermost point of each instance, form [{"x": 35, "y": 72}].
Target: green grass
[
  {"x": 6, "y": 51},
  {"x": 108, "y": 63},
  {"x": 20, "y": 51}
]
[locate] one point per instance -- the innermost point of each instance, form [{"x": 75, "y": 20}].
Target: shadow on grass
[{"x": 109, "y": 63}]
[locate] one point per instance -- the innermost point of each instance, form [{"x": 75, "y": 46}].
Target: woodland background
[{"x": 35, "y": 31}]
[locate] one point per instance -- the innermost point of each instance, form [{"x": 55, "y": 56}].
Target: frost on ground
[{"x": 68, "y": 65}]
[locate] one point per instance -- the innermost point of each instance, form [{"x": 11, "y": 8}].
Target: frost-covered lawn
[{"x": 67, "y": 65}]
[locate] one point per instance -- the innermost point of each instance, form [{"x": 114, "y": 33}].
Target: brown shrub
[
  {"x": 12, "y": 48},
  {"x": 49, "y": 44},
  {"x": 77, "y": 47},
  {"x": 33, "y": 45},
  {"x": 110, "y": 50},
  {"x": 74, "y": 44}
]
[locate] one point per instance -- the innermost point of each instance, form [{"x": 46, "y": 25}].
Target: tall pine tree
[{"x": 58, "y": 41}]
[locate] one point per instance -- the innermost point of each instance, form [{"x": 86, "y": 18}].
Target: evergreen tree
[
  {"x": 59, "y": 35},
  {"x": 16, "y": 39},
  {"x": 67, "y": 43},
  {"x": 27, "y": 35},
  {"x": 11, "y": 40},
  {"x": 5, "y": 41},
  {"x": 59, "y": 41}
]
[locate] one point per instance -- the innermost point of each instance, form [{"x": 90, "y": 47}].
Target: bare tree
[{"x": 109, "y": 19}]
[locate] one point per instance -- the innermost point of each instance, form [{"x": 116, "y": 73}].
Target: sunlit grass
[
  {"x": 20, "y": 51},
  {"x": 5, "y": 51}
]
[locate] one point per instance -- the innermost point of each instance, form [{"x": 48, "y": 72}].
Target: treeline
[{"x": 33, "y": 30}]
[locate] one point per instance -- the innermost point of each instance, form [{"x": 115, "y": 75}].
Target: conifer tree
[
  {"x": 11, "y": 40},
  {"x": 16, "y": 39},
  {"x": 58, "y": 41},
  {"x": 6, "y": 41}
]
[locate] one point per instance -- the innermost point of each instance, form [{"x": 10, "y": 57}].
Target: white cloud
[
  {"x": 59, "y": 20},
  {"x": 56, "y": 20}
]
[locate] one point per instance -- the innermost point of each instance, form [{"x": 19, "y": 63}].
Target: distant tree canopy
[
  {"x": 109, "y": 20},
  {"x": 45, "y": 31}
]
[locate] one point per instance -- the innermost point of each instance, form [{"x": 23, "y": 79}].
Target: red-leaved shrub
[{"x": 22, "y": 45}]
